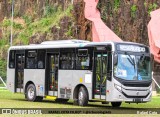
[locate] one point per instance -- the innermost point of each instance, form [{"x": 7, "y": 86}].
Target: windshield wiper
[
  {"x": 130, "y": 59},
  {"x": 143, "y": 58}
]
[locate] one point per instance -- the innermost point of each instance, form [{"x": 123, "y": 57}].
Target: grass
[
  {"x": 1, "y": 84},
  {"x": 11, "y": 100}
]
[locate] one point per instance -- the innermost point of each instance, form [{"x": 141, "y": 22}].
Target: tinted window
[
  {"x": 31, "y": 59},
  {"x": 67, "y": 60},
  {"x": 41, "y": 59},
  {"x": 12, "y": 59},
  {"x": 82, "y": 62},
  {"x": 83, "y": 59}
]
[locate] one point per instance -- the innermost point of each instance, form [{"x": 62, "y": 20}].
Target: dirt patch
[
  {"x": 83, "y": 26},
  {"x": 19, "y": 21}
]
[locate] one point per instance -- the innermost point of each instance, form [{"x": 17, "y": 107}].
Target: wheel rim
[
  {"x": 80, "y": 97},
  {"x": 31, "y": 93}
]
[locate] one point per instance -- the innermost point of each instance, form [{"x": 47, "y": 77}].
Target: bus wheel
[
  {"x": 116, "y": 104},
  {"x": 31, "y": 94},
  {"x": 82, "y": 97}
]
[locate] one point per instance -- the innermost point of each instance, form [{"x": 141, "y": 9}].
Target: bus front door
[
  {"x": 100, "y": 75},
  {"x": 19, "y": 73},
  {"x": 52, "y": 74}
]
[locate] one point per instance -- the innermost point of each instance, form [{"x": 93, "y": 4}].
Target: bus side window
[
  {"x": 82, "y": 62},
  {"x": 31, "y": 61},
  {"x": 67, "y": 60},
  {"x": 12, "y": 59},
  {"x": 41, "y": 59},
  {"x": 83, "y": 59}
]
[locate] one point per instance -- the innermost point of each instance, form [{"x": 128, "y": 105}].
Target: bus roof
[{"x": 67, "y": 44}]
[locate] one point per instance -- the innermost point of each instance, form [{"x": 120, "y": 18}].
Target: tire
[
  {"x": 62, "y": 100},
  {"x": 31, "y": 94},
  {"x": 116, "y": 104},
  {"x": 82, "y": 97}
]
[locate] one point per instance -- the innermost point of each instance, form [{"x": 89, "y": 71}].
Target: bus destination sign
[{"x": 131, "y": 48}]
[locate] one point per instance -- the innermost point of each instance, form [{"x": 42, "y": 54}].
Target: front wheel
[
  {"x": 116, "y": 104},
  {"x": 82, "y": 97},
  {"x": 31, "y": 94}
]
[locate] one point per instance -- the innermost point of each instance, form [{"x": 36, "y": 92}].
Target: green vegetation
[
  {"x": 3, "y": 54},
  {"x": 27, "y": 19},
  {"x": 152, "y": 7},
  {"x": 3, "y": 69},
  {"x": 1, "y": 84},
  {"x": 116, "y": 4},
  {"x": 133, "y": 11},
  {"x": 49, "y": 10},
  {"x": 103, "y": 10},
  {"x": 7, "y": 23},
  {"x": 158, "y": 90},
  {"x": 43, "y": 25},
  {"x": 52, "y": 16},
  {"x": 69, "y": 32}
]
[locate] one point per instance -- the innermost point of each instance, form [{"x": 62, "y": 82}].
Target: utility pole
[{"x": 11, "y": 38}]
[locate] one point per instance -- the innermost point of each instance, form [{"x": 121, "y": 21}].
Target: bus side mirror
[{"x": 115, "y": 59}]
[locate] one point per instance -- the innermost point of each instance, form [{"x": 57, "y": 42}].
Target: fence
[{"x": 1, "y": 87}]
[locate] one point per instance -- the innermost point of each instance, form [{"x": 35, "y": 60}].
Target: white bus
[{"x": 81, "y": 70}]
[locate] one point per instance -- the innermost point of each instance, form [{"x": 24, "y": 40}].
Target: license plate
[{"x": 137, "y": 100}]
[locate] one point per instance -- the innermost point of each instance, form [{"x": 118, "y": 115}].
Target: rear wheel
[
  {"x": 31, "y": 94},
  {"x": 116, "y": 104},
  {"x": 82, "y": 97}
]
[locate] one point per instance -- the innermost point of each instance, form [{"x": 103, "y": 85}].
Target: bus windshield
[{"x": 131, "y": 67}]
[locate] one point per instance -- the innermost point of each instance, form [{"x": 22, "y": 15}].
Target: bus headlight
[
  {"x": 119, "y": 88},
  {"x": 150, "y": 89}
]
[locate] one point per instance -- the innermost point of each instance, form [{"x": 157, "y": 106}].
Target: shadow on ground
[{"x": 90, "y": 105}]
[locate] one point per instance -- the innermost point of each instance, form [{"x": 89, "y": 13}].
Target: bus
[{"x": 83, "y": 71}]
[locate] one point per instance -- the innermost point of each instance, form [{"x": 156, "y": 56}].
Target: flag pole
[{"x": 11, "y": 38}]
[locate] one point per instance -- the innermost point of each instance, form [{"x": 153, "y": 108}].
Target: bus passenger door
[
  {"x": 52, "y": 74},
  {"x": 19, "y": 75},
  {"x": 100, "y": 75}
]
